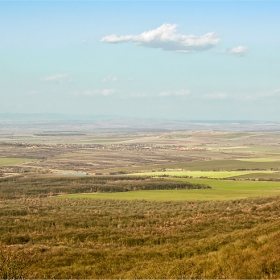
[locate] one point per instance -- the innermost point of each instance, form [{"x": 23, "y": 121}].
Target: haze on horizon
[{"x": 208, "y": 60}]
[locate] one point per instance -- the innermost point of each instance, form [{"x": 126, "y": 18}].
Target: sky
[{"x": 183, "y": 60}]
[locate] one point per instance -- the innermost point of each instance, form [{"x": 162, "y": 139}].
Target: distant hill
[
  {"x": 127, "y": 123},
  {"x": 48, "y": 117}
]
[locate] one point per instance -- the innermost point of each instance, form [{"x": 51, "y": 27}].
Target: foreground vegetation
[
  {"x": 48, "y": 236},
  {"x": 85, "y": 238},
  {"x": 124, "y": 226}
]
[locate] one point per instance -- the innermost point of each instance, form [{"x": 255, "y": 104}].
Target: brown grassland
[{"x": 48, "y": 235}]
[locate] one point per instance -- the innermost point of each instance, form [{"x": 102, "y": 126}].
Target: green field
[
  {"x": 263, "y": 150},
  {"x": 229, "y": 189},
  {"x": 221, "y": 190},
  {"x": 259, "y": 175},
  {"x": 208, "y": 174},
  {"x": 12, "y": 161}
]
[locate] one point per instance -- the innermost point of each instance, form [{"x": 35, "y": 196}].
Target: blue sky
[{"x": 191, "y": 60}]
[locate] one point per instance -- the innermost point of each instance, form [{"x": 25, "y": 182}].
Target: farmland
[
  {"x": 207, "y": 174},
  {"x": 81, "y": 202},
  {"x": 220, "y": 190},
  {"x": 13, "y": 161}
]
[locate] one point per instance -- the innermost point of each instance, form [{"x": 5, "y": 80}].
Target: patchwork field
[
  {"x": 80, "y": 201},
  {"x": 205, "y": 165},
  {"x": 220, "y": 190}
]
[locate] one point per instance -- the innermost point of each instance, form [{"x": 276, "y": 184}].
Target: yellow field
[
  {"x": 259, "y": 159},
  {"x": 206, "y": 174}
]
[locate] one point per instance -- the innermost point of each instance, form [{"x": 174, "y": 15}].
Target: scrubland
[
  {"x": 107, "y": 223},
  {"x": 86, "y": 238}
]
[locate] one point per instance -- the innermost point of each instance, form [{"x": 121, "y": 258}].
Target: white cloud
[
  {"x": 182, "y": 92},
  {"x": 273, "y": 92},
  {"x": 110, "y": 79},
  {"x": 167, "y": 38},
  {"x": 244, "y": 96},
  {"x": 216, "y": 95},
  {"x": 238, "y": 51},
  {"x": 104, "y": 92},
  {"x": 58, "y": 78},
  {"x": 109, "y": 91}
]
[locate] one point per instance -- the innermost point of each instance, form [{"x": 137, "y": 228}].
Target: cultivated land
[
  {"x": 220, "y": 190},
  {"x": 207, "y": 174},
  {"x": 15, "y": 161},
  {"x": 109, "y": 200}
]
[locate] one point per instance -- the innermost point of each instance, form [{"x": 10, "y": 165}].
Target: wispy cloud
[
  {"x": 104, "y": 92},
  {"x": 275, "y": 92},
  {"x": 113, "y": 92},
  {"x": 109, "y": 79},
  {"x": 216, "y": 95},
  {"x": 243, "y": 96},
  {"x": 58, "y": 78},
  {"x": 167, "y": 38},
  {"x": 261, "y": 95},
  {"x": 238, "y": 51},
  {"x": 182, "y": 92}
]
